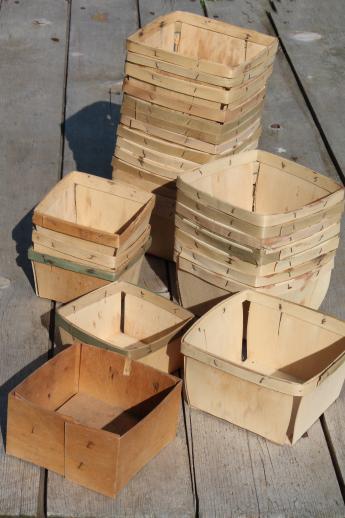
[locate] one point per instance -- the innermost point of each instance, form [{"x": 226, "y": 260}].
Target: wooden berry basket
[
  {"x": 203, "y": 45},
  {"x": 190, "y": 131},
  {"x": 236, "y": 270},
  {"x": 305, "y": 231},
  {"x": 85, "y": 252},
  {"x": 195, "y": 89},
  {"x": 139, "y": 177},
  {"x": 274, "y": 191},
  {"x": 62, "y": 280},
  {"x": 244, "y": 257},
  {"x": 153, "y": 135},
  {"x": 210, "y": 110},
  {"x": 265, "y": 364},
  {"x": 155, "y": 64},
  {"x": 93, "y": 416},
  {"x": 106, "y": 212},
  {"x": 129, "y": 320},
  {"x": 200, "y": 288}
]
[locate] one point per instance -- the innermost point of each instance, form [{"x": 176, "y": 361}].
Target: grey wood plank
[
  {"x": 96, "y": 59},
  {"x": 96, "y": 63},
  {"x": 313, "y": 35},
  {"x": 153, "y": 8},
  {"x": 32, "y": 74},
  {"x": 237, "y": 473}
]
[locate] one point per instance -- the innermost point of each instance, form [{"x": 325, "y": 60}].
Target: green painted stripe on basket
[
  {"x": 78, "y": 334},
  {"x": 80, "y": 268}
]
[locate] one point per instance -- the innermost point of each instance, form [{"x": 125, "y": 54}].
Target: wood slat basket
[
  {"x": 262, "y": 190},
  {"x": 200, "y": 45},
  {"x": 63, "y": 280},
  {"x": 107, "y": 212},
  {"x": 200, "y": 288},
  {"x": 255, "y": 220},
  {"x": 265, "y": 364},
  {"x": 88, "y": 232},
  {"x": 193, "y": 91},
  {"x": 129, "y": 320},
  {"x": 93, "y": 416}
]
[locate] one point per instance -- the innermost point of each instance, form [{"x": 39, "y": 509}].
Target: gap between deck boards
[{"x": 42, "y": 494}]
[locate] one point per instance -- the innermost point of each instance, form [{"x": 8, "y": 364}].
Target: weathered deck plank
[
  {"x": 314, "y": 39},
  {"x": 96, "y": 60},
  {"x": 236, "y": 472},
  {"x": 32, "y": 73}
]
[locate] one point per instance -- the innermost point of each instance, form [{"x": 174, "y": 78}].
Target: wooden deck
[{"x": 61, "y": 68}]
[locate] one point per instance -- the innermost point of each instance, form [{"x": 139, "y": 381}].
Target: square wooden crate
[
  {"x": 93, "y": 416},
  {"x": 199, "y": 47},
  {"x": 198, "y": 66},
  {"x": 107, "y": 212},
  {"x": 265, "y": 364},
  {"x": 128, "y": 320},
  {"x": 260, "y": 192}
]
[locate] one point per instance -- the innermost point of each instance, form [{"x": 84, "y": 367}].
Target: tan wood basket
[
  {"x": 129, "y": 320},
  {"x": 93, "y": 416},
  {"x": 265, "y": 364}
]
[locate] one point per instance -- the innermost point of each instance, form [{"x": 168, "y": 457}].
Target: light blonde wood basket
[
  {"x": 265, "y": 364},
  {"x": 128, "y": 320}
]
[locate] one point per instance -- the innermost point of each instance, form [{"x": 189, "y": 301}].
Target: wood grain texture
[
  {"x": 240, "y": 474},
  {"x": 96, "y": 57},
  {"x": 254, "y": 471},
  {"x": 95, "y": 63},
  {"x": 149, "y": 10},
  {"x": 161, "y": 488},
  {"x": 308, "y": 34},
  {"x": 32, "y": 75}
]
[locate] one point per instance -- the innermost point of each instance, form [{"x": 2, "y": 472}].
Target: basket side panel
[
  {"x": 35, "y": 435},
  {"x": 258, "y": 409}
]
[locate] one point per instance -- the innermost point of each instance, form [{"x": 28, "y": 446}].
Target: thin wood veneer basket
[
  {"x": 63, "y": 280},
  {"x": 128, "y": 320},
  {"x": 264, "y": 364},
  {"x": 193, "y": 91},
  {"x": 261, "y": 192},
  {"x": 93, "y": 416},
  {"x": 255, "y": 220},
  {"x": 199, "y": 48},
  {"x": 106, "y": 212}
]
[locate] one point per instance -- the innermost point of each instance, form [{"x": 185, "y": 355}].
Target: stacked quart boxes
[
  {"x": 194, "y": 90},
  {"x": 255, "y": 220},
  {"x": 88, "y": 232}
]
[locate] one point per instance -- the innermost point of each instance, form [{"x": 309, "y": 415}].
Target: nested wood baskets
[
  {"x": 89, "y": 231},
  {"x": 265, "y": 364},
  {"x": 93, "y": 416},
  {"x": 255, "y": 220},
  {"x": 128, "y": 320},
  {"x": 193, "y": 91},
  {"x": 63, "y": 280}
]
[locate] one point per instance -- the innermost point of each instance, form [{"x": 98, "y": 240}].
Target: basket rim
[
  {"x": 268, "y": 41},
  {"x": 294, "y": 388},
  {"x": 185, "y": 185},
  {"x": 142, "y": 347}
]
